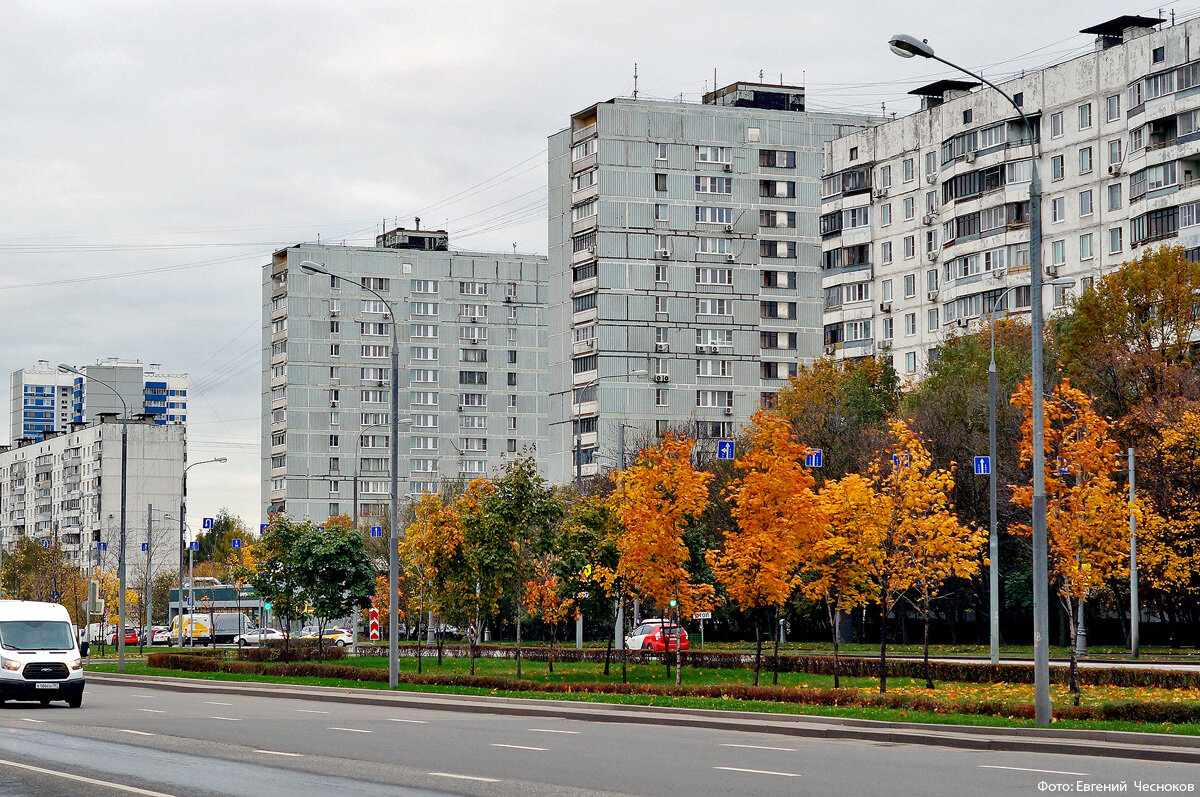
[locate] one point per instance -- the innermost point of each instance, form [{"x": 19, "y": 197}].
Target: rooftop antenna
[
  {"x": 714, "y": 79},
  {"x": 514, "y": 247},
  {"x": 634, "y": 96},
  {"x": 760, "y": 75}
]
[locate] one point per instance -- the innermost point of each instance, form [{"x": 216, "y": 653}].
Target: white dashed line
[
  {"x": 227, "y": 719},
  {"x": 549, "y": 730},
  {"x": 215, "y": 703},
  {"x": 464, "y": 777},
  {"x": 760, "y": 772},
  {"x": 351, "y": 730},
  {"x": 135, "y": 733},
  {"x": 414, "y": 722},
  {"x": 520, "y": 747},
  {"x": 762, "y": 747},
  {"x": 82, "y": 779},
  {"x": 152, "y": 710},
  {"x": 1041, "y": 771},
  {"x": 29, "y": 719},
  {"x": 309, "y": 711},
  {"x": 277, "y": 752}
]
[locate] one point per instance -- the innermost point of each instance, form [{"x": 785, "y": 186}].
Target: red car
[
  {"x": 131, "y": 637},
  {"x": 657, "y": 635}
]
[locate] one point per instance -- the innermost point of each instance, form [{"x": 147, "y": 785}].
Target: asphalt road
[{"x": 129, "y": 740}]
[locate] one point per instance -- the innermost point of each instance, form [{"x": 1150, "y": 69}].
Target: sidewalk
[{"x": 1114, "y": 744}]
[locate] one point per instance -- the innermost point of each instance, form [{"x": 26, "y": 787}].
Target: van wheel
[
  {"x": 75, "y": 702},
  {"x": 45, "y": 701}
]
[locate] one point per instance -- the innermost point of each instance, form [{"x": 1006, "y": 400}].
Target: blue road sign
[
  {"x": 1062, "y": 467},
  {"x": 145, "y": 546},
  {"x": 236, "y": 543},
  {"x": 208, "y": 523},
  {"x": 320, "y": 528},
  {"x": 188, "y": 600},
  {"x": 55, "y": 595},
  {"x": 377, "y": 531},
  {"x": 46, "y": 543},
  {"x": 724, "y": 449},
  {"x": 194, "y": 545},
  {"x": 102, "y": 546},
  {"x": 901, "y": 460},
  {"x": 815, "y": 458},
  {"x": 983, "y": 466},
  {"x": 262, "y": 528}
]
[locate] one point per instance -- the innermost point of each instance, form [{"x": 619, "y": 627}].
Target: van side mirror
[{"x": 84, "y": 646}]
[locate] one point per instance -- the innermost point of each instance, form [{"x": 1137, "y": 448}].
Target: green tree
[
  {"x": 278, "y": 579},
  {"x": 333, "y": 569}
]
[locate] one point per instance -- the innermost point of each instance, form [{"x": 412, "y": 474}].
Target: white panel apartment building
[
  {"x": 683, "y": 242},
  {"x": 68, "y": 487},
  {"x": 472, "y": 339},
  {"x": 925, "y": 219}
]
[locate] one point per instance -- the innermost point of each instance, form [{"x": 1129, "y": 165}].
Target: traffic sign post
[
  {"x": 702, "y": 616},
  {"x": 724, "y": 449},
  {"x": 373, "y": 623},
  {"x": 377, "y": 531},
  {"x": 983, "y": 466},
  {"x": 194, "y": 545},
  {"x": 815, "y": 458}
]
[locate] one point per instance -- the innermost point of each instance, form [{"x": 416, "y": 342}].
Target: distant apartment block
[
  {"x": 472, "y": 338},
  {"x": 683, "y": 243},
  {"x": 925, "y": 219},
  {"x": 44, "y": 400}
]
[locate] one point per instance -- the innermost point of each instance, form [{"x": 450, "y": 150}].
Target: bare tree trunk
[
  {"x": 757, "y": 646},
  {"x": 475, "y": 638},
  {"x": 928, "y": 670},
  {"x": 835, "y": 622},
  {"x": 438, "y": 637},
  {"x": 1073, "y": 623},
  {"x": 518, "y": 642},
  {"x": 419, "y": 614},
  {"x": 883, "y": 613},
  {"x": 624, "y": 651},
  {"x": 551, "y": 660},
  {"x": 778, "y": 632}
]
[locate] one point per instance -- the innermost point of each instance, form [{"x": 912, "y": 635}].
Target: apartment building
[
  {"x": 925, "y": 219},
  {"x": 472, "y": 337},
  {"x": 44, "y": 400},
  {"x": 683, "y": 244},
  {"x": 67, "y": 486}
]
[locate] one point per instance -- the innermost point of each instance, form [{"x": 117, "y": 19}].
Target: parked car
[
  {"x": 131, "y": 636},
  {"x": 160, "y": 635},
  {"x": 657, "y": 634},
  {"x": 333, "y": 635},
  {"x": 256, "y": 635}
]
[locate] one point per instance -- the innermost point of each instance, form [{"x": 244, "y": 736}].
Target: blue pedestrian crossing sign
[
  {"x": 46, "y": 543},
  {"x": 236, "y": 543},
  {"x": 194, "y": 545},
  {"x": 145, "y": 546},
  {"x": 377, "y": 531},
  {"x": 102, "y": 546},
  {"x": 815, "y": 458},
  {"x": 208, "y": 523},
  {"x": 262, "y": 528},
  {"x": 983, "y": 466},
  {"x": 724, "y": 449}
]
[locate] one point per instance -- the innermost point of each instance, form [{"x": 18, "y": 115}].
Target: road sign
[
  {"x": 236, "y": 543},
  {"x": 208, "y": 523},
  {"x": 320, "y": 528},
  {"x": 377, "y": 531},
  {"x": 901, "y": 460},
  {"x": 702, "y": 616},
  {"x": 815, "y": 458},
  {"x": 983, "y": 466},
  {"x": 373, "y": 622},
  {"x": 1062, "y": 467},
  {"x": 724, "y": 449},
  {"x": 262, "y": 528},
  {"x": 102, "y": 546},
  {"x": 46, "y": 543},
  {"x": 194, "y": 545},
  {"x": 55, "y": 595},
  {"x": 145, "y": 546}
]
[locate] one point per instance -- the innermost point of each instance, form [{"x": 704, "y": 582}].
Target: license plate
[{"x": 45, "y": 685}]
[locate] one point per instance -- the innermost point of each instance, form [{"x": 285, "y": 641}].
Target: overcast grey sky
[{"x": 152, "y": 155}]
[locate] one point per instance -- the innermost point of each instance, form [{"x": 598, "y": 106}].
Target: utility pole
[
  {"x": 1135, "y": 611},
  {"x": 149, "y": 576}
]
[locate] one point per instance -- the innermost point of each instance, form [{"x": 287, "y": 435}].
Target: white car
[
  {"x": 39, "y": 657},
  {"x": 256, "y": 635},
  {"x": 332, "y": 636}
]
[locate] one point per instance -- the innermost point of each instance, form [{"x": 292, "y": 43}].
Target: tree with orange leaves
[
  {"x": 1086, "y": 514},
  {"x": 544, "y": 597},
  {"x": 654, "y": 500},
  {"x": 429, "y": 544},
  {"x": 777, "y": 518}
]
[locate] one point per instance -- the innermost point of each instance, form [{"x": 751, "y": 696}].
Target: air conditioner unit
[
  {"x": 462, "y": 407},
  {"x": 830, "y": 349},
  {"x": 885, "y": 307},
  {"x": 334, "y": 311},
  {"x": 1114, "y": 169},
  {"x": 961, "y": 323},
  {"x": 970, "y": 157},
  {"x": 931, "y": 178},
  {"x": 472, "y": 339},
  {"x": 701, "y": 348},
  {"x": 931, "y": 256},
  {"x": 927, "y": 219},
  {"x": 333, "y": 402},
  {"x": 729, "y": 410},
  {"x": 508, "y": 298},
  {"x": 932, "y": 295},
  {"x": 662, "y": 254},
  {"x": 662, "y": 378},
  {"x": 1051, "y": 270},
  {"x": 730, "y": 258},
  {"x": 879, "y": 193},
  {"x": 592, "y": 250},
  {"x": 728, "y": 228},
  {"x": 714, "y": 348},
  {"x": 728, "y": 167},
  {"x": 662, "y": 347}
]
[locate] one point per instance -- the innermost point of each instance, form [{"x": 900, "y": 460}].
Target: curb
[{"x": 1107, "y": 744}]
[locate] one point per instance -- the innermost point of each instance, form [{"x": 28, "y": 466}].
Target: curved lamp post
[
  {"x": 906, "y": 47},
  {"x": 183, "y": 537}
]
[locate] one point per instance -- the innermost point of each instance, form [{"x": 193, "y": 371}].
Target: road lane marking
[
  {"x": 464, "y": 777},
  {"x": 227, "y": 719},
  {"x": 761, "y": 747},
  {"x": 351, "y": 730},
  {"x": 153, "y": 710},
  {"x": 82, "y": 779},
  {"x": 760, "y": 772},
  {"x": 414, "y": 722},
  {"x": 277, "y": 752},
  {"x": 309, "y": 711},
  {"x": 1042, "y": 771},
  {"x": 549, "y": 730},
  {"x": 136, "y": 733},
  {"x": 30, "y": 719},
  {"x": 215, "y": 703},
  {"x": 520, "y": 747}
]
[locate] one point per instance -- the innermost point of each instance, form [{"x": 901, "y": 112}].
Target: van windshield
[{"x": 36, "y": 635}]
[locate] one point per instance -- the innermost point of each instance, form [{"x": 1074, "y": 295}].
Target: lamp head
[
  {"x": 639, "y": 372},
  {"x": 221, "y": 459},
  {"x": 310, "y": 267},
  {"x": 1062, "y": 282},
  {"x": 907, "y": 46}
]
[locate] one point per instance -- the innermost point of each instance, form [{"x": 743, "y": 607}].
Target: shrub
[{"x": 296, "y": 651}]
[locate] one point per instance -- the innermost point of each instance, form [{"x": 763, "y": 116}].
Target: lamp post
[
  {"x": 907, "y": 47},
  {"x": 579, "y": 435},
  {"x": 183, "y": 537},
  {"x": 994, "y": 534},
  {"x": 124, "y": 473},
  {"x": 394, "y": 535}
]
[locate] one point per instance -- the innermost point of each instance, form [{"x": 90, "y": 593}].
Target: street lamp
[
  {"x": 907, "y": 47},
  {"x": 994, "y": 535},
  {"x": 579, "y": 435},
  {"x": 124, "y": 471},
  {"x": 183, "y": 538},
  {"x": 394, "y": 536}
]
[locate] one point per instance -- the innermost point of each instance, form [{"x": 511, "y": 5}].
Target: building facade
[
  {"x": 472, "y": 337},
  {"x": 925, "y": 219},
  {"x": 67, "y": 488},
  {"x": 683, "y": 244},
  {"x": 44, "y": 400}
]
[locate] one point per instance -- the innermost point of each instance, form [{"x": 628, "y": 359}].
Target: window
[
  {"x": 706, "y": 154},
  {"x": 377, "y": 329},
  {"x": 1137, "y": 139},
  {"x": 472, "y": 422},
  {"x": 423, "y": 353},
  {"x": 1158, "y": 55},
  {"x": 910, "y": 286},
  {"x": 1057, "y": 209},
  {"x": 714, "y": 398},
  {"x": 583, "y": 149},
  {"x": 473, "y": 334},
  {"x": 581, "y": 243},
  {"x": 472, "y": 377},
  {"x": 714, "y": 276},
  {"x": 991, "y": 136},
  {"x": 910, "y": 324},
  {"x": 1058, "y": 252},
  {"x": 376, "y": 283},
  {"x": 910, "y": 247},
  {"x": 1019, "y": 99},
  {"x": 711, "y": 185},
  {"x": 660, "y": 182},
  {"x": 931, "y": 320},
  {"x": 1113, "y": 106},
  {"x": 886, "y": 289},
  {"x": 885, "y": 214},
  {"x": 713, "y": 246},
  {"x": 854, "y": 153},
  {"x": 777, "y": 248},
  {"x": 718, "y": 368},
  {"x": 910, "y": 208},
  {"x": 375, "y": 351},
  {"x": 1114, "y": 151},
  {"x": 583, "y": 180},
  {"x": 766, "y": 218},
  {"x": 661, "y": 396},
  {"x": 334, "y": 441},
  {"x": 585, "y": 210},
  {"x": 885, "y": 252},
  {"x": 335, "y": 350},
  {"x": 713, "y": 307},
  {"x": 906, "y": 169},
  {"x": 1085, "y": 160},
  {"x": 1114, "y": 240},
  {"x": 472, "y": 355},
  {"x": 885, "y": 176},
  {"x": 660, "y": 212},
  {"x": 414, "y": 330},
  {"x": 512, "y": 356},
  {"x": 858, "y": 330},
  {"x": 1189, "y": 214},
  {"x": 857, "y": 292},
  {"x": 930, "y": 163},
  {"x": 1056, "y": 124},
  {"x": 910, "y": 362},
  {"x": 777, "y": 158},
  {"x": 772, "y": 188},
  {"x": 585, "y": 302},
  {"x": 512, "y": 379},
  {"x": 966, "y": 116},
  {"x": 660, "y": 152},
  {"x": 888, "y": 328},
  {"x": 1057, "y": 171},
  {"x": 777, "y": 279},
  {"x": 419, "y": 398},
  {"x": 1114, "y": 196},
  {"x": 777, "y": 310},
  {"x": 660, "y": 304},
  {"x": 1085, "y": 247},
  {"x": 1085, "y": 116},
  {"x": 423, "y": 375},
  {"x": 1085, "y": 203},
  {"x": 424, "y": 420}
]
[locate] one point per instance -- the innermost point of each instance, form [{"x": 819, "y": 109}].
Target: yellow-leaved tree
[
  {"x": 778, "y": 518},
  {"x": 429, "y": 544},
  {"x": 1087, "y": 517},
  {"x": 544, "y": 598}
]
